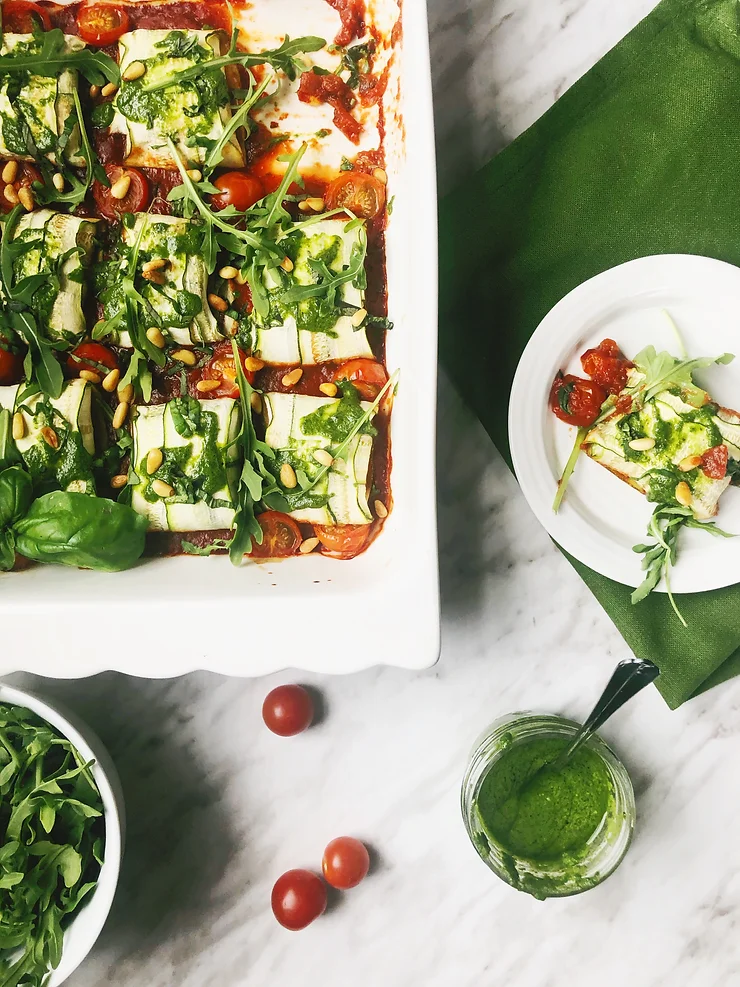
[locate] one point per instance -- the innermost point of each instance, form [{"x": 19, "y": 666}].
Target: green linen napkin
[{"x": 641, "y": 156}]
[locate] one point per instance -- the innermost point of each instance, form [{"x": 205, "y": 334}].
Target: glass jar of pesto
[{"x": 550, "y": 830}]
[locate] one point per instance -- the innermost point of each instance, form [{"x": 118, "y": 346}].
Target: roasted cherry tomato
[
  {"x": 342, "y": 540},
  {"x": 21, "y": 17},
  {"x": 11, "y": 366},
  {"x": 714, "y": 462},
  {"x": 136, "y": 198},
  {"x": 299, "y": 897},
  {"x": 288, "y": 710},
  {"x": 575, "y": 400},
  {"x": 362, "y": 195},
  {"x": 238, "y": 190},
  {"x": 345, "y": 863},
  {"x": 368, "y": 376},
  {"x": 221, "y": 367},
  {"x": 91, "y": 356},
  {"x": 281, "y": 536},
  {"x": 606, "y": 365},
  {"x": 102, "y": 23}
]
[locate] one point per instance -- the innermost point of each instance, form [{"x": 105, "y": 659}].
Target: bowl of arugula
[{"x": 61, "y": 818}]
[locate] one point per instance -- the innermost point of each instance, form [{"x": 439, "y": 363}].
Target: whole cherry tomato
[
  {"x": 345, "y": 863},
  {"x": 288, "y": 710},
  {"x": 299, "y": 897},
  {"x": 575, "y": 400}
]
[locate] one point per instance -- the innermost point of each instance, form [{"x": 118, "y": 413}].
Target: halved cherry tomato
[
  {"x": 135, "y": 200},
  {"x": 576, "y": 400},
  {"x": 714, "y": 462},
  {"x": 11, "y": 367},
  {"x": 342, "y": 541},
  {"x": 606, "y": 365},
  {"x": 20, "y": 17},
  {"x": 102, "y": 23},
  {"x": 368, "y": 376},
  {"x": 91, "y": 356},
  {"x": 358, "y": 193},
  {"x": 298, "y": 897},
  {"x": 282, "y": 536},
  {"x": 238, "y": 189},
  {"x": 345, "y": 862},
  {"x": 221, "y": 367}
]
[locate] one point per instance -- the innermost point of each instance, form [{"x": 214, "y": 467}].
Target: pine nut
[
  {"x": 58, "y": 180},
  {"x": 292, "y": 377},
  {"x": 90, "y": 376},
  {"x": 155, "y": 336},
  {"x": 217, "y": 302},
  {"x": 241, "y": 278},
  {"x": 642, "y": 445},
  {"x": 381, "y": 510},
  {"x": 10, "y": 195},
  {"x": 185, "y": 356},
  {"x": 50, "y": 437},
  {"x": 162, "y": 489},
  {"x": 121, "y": 414},
  {"x": 133, "y": 71},
  {"x": 230, "y": 325},
  {"x": 253, "y": 364},
  {"x": 110, "y": 381},
  {"x": 154, "y": 460},
  {"x": 10, "y": 172},
  {"x": 316, "y": 204},
  {"x": 359, "y": 317},
  {"x": 19, "y": 426},
  {"x": 26, "y": 199},
  {"x": 109, "y": 89},
  {"x": 119, "y": 189},
  {"x": 228, "y": 272},
  {"x": 329, "y": 389},
  {"x": 155, "y": 264},
  {"x": 304, "y": 206},
  {"x": 156, "y": 277},
  {"x": 94, "y": 91},
  {"x": 683, "y": 494},
  {"x": 204, "y": 386},
  {"x": 126, "y": 393},
  {"x": 308, "y": 546},
  {"x": 381, "y": 174},
  {"x": 194, "y": 174},
  {"x": 287, "y": 476},
  {"x": 287, "y": 264},
  {"x": 690, "y": 463},
  {"x": 323, "y": 457},
  {"x": 256, "y": 402},
  {"x": 118, "y": 481}
]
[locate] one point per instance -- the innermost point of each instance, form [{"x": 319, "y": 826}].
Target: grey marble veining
[{"x": 218, "y": 807}]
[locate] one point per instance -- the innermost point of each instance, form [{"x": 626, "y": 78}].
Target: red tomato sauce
[{"x": 606, "y": 365}]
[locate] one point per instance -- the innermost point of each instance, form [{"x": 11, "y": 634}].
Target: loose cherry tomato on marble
[
  {"x": 368, "y": 376},
  {"x": 288, "y": 710},
  {"x": 11, "y": 366},
  {"x": 345, "y": 863},
  {"x": 91, "y": 356},
  {"x": 136, "y": 198},
  {"x": 342, "y": 540},
  {"x": 575, "y": 400},
  {"x": 21, "y": 17},
  {"x": 299, "y": 897},
  {"x": 238, "y": 189},
  {"x": 102, "y": 23},
  {"x": 358, "y": 193}
]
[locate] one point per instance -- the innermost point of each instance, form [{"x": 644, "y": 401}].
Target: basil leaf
[
  {"x": 16, "y": 494},
  {"x": 186, "y": 414},
  {"x": 564, "y": 394},
  {"x": 7, "y": 558}
]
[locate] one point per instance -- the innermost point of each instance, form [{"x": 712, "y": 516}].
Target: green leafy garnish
[
  {"x": 47, "y": 193},
  {"x": 662, "y": 371},
  {"x": 569, "y": 468},
  {"x": 53, "y": 57},
  {"x": 218, "y": 544}
]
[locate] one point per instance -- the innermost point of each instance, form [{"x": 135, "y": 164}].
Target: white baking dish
[{"x": 170, "y": 616}]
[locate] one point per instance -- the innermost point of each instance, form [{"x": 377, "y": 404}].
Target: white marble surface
[{"x": 218, "y": 807}]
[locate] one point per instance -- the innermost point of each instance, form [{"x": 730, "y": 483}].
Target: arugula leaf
[
  {"x": 239, "y": 118},
  {"x": 661, "y": 370},
  {"x": 329, "y": 281},
  {"x": 191, "y": 549},
  {"x": 356, "y": 62},
  {"x": 93, "y": 169},
  {"x": 46, "y": 368},
  {"x": 53, "y": 58}
]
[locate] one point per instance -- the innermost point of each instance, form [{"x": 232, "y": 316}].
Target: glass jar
[{"x": 568, "y": 874}]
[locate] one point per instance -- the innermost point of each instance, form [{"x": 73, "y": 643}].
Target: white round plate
[{"x": 601, "y": 517}]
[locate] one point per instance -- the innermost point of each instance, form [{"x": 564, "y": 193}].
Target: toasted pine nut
[
  {"x": 307, "y": 546},
  {"x": 10, "y": 195},
  {"x": 110, "y": 381},
  {"x": 119, "y": 189},
  {"x": 642, "y": 445},
  {"x": 292, "y": 377},
  {"x": 50, "y": 437},
  {"x": 304, "y": 206},
  {"x": 359, "y": 317},
  {"x": 58, "y": 181},
  {"x": 287, "y": 476},
  {"x": 690, "y": 463},
  {"x": 19, "y": 426},
  {"x": 94, "y": 91},
  {"x": 133, "y": 71},
  {"x": 153, "y": 460},
  {"x": 194, "y": 174},
  {"x": 121, "y": 414},
  {"x": 253, "y": 364},
  {"x": 329, "y": 389},
  {"x": 241, "y": 278},
  {"x": 217, "y": 302},
  {"x": 118, "y": 481},
  {"x": 90, "y": 376},
  {"x": 155, "y": 336},
  {"x": 256, "y": 402},
  {"x": 381, "y": 174},
  {"x": 109, "y": 89},
  {"x": 10, "y": 171},
  {"x": 230, "y": 325},
  {"x": 185, "y": 356},
  {"x": 162, "y": 489},
  {"x": 287, "y": 264},
  {"x": 155, "y": 264},
  {"x": 380, "y": 509},
  {"x": 156, "y": 277},
  {"x": 26, "y": 199},
  {"x": 228, "y": 272},
  {"x": 683, "y": 494},
  {"x": 126, "y": 393},
  {"x": 204, "y": 386},
  {"x": 323, "y": 457},
  {"x": 316, "y": 204}
]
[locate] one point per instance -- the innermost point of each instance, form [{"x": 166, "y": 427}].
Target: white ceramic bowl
[{"x": 87, "y": 923}]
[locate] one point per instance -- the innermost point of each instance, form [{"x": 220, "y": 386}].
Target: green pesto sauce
[
  {"x": 336, "y": 420},
  {"x": 193, "y": 477},
  {"x": 53, "y": 469},
  {"x": 308, "y": 253},
  {"x": 545, "y": 816}
]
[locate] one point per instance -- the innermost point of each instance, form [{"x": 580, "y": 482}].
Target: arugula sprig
[
  {"x": 53, "y": 57},
  {"x": 239, "y": 118},
  {"x": 47, "y": 193}
]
